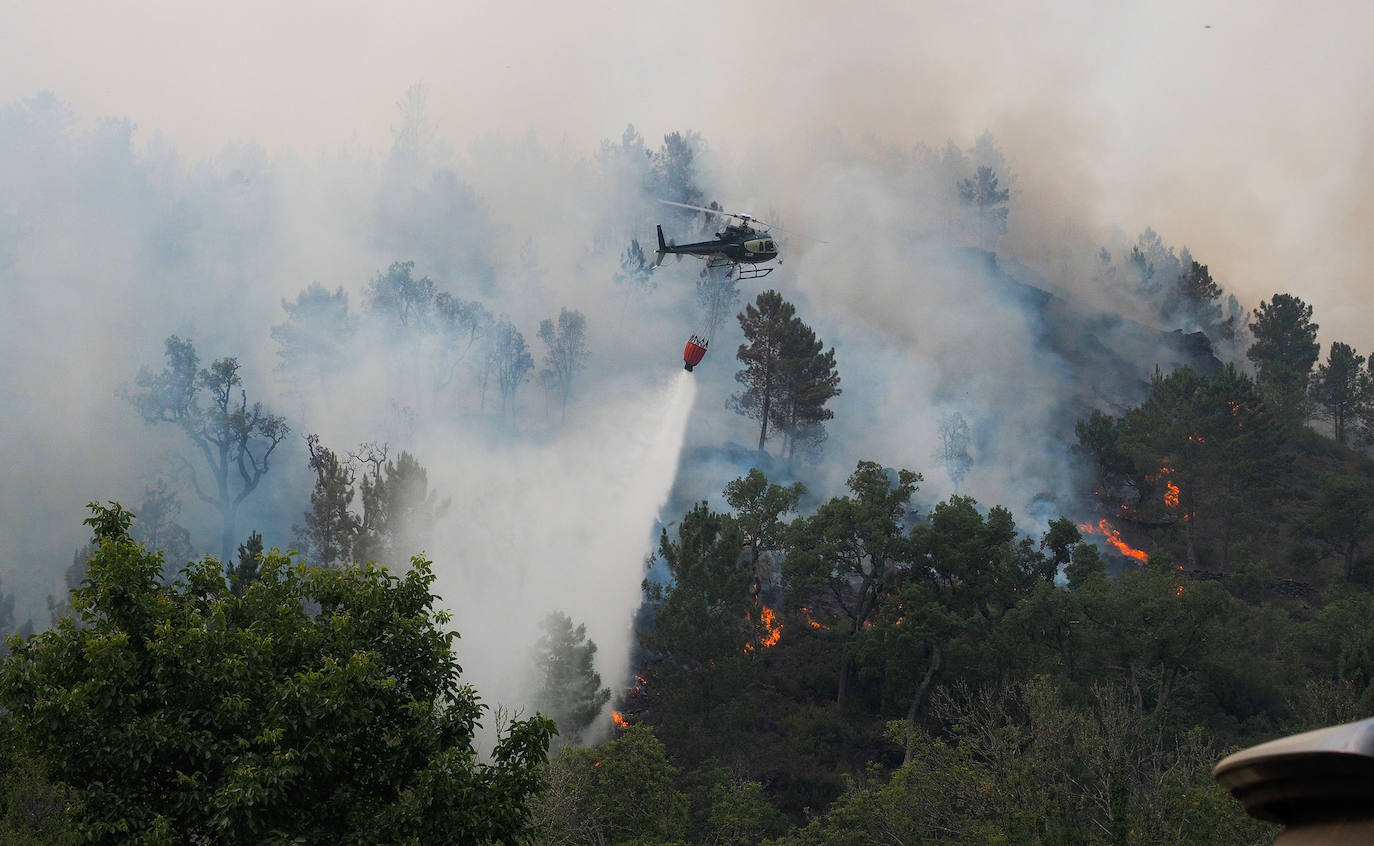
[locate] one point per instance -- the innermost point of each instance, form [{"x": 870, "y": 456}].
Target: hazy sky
[{"x": 1242, "y": 130}]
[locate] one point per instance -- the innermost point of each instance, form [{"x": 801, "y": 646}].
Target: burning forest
[{"x": 1011, "y": 481}]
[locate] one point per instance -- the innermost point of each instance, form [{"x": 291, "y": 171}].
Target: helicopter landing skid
[{"x": 741, "y": 271}]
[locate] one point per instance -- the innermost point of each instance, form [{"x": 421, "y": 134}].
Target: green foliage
[
  {"x": 331, "y": 529},
  {"x": 246, "y": 570},
  {"x": 1342, "y": 517},
  {"x": 702, "y": 613},
  {"x": 319, "y": 706},
  {"x": 844, "y": 559},
  {"x": 1339, "y": 388},
  {"x": 399, "y": 510},
  {"x": 621, "y": 793},
  {"x": 1284, "y": 351},
  {"x": 787, "y": 378},
  {"x": 1021, "y": 765},
  {"x": 1215, "y": 439},
  {"x": 759, "y": 506}
]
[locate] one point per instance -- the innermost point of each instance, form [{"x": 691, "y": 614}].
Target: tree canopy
[{"x": 317, "y": 706}]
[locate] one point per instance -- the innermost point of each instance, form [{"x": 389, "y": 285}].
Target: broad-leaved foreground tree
[{"x": 320, "y": 706}]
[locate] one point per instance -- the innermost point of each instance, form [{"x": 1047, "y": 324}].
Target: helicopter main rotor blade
[{"x": 722, "y": 212}]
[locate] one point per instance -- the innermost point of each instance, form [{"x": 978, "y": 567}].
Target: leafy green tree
[
  {"x": 211, "y": 408},
  {"x": 565, "y": 351},
  {"x": 1099, "y": 438},
  {"x": 1338, "y": 387},
  {"x": 1342, "y": 517},
  {"x": 321, "y": 706},
  {"x": 981, "y": 558},
  {"x": 1284, "y": 350},
  {"x": 569, "y": 687},
  {"x": 758, "y": 508},
  {"x": 1215, "y": 440},
  {"x": 624, "y": 792},
  {"x": 331, "y": 529},
  {"x": 845, "y": 557}
]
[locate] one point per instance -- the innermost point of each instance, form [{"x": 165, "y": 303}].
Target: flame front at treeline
[{"x": 1113, "y": 537}]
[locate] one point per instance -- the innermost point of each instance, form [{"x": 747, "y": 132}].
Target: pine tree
[
  {"x": 787, "y": 377},
  {"x": 765, "y": 325},
  {"x": 570, "y": 691},
  {"x": 330, "y": 529},
  {"x": 1284, "y": 351},
  {"x": 1338, "y": 387},
  {"x": 808, "y": 381}
]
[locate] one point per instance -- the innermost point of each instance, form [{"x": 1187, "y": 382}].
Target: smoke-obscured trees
[
  {"x": 403, "y": 302},
  {"x": 211, "y": 408},
  {"x": 316, "y": 337},
  {"x": 507, "y": 357},
  {"x": 953, "y": 452},
  {"x": 988, "y": 203},
  {"x": 157, "y": 526},
  {"x": 320, "y": 705},
  {"x": 565, "y": 345},
  {"x": 1284, "y": 351},
  {"x": 787, "y": 379},
  {"x": 569, "y": 687},
  {"x": 399, "y": 510}
]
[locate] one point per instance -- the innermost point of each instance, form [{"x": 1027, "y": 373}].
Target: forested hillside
[{"x": 954, "y": 535}]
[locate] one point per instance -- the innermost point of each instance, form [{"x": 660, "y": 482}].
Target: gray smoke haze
[{"x": 195, "y": 167}]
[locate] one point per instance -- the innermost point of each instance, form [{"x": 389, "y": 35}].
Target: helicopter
[{"x": 739, "y": 247}]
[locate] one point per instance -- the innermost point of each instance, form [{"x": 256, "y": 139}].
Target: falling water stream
[{"x": 562, "y": 525}]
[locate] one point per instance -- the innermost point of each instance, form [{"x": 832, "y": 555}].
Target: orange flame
[
  {"x": 1171, "y": 494},
  {"x": 771, "y": 627},
  {"x": 806, "y": 612},
  {"x": 1113, "y": 537},
  {"x": 620, "y": 720}
]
